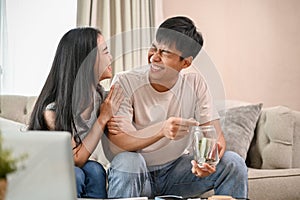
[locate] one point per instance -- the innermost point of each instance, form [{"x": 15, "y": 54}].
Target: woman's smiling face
[{"x": 103, "y": 60}]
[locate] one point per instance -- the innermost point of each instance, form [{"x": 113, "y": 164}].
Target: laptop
[{"x": 48, "y": 171}]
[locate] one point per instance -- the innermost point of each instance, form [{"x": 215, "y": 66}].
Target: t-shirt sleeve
[
  {"x": 126, "y": 107},
  {"x": 205, "y": 109}
]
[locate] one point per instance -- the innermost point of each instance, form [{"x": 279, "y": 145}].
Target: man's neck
[{"x": 163, "y": 87}]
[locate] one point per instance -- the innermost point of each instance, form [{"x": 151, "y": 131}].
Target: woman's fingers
[
  {"x": 118, "y": 95},
  {"x": 115, "y": 98},
  {"x": 110, "y": 92},
  {"x": 117, "y": 91}
]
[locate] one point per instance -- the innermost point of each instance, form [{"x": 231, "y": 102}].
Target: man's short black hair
[{"x": 182, "y": 32}]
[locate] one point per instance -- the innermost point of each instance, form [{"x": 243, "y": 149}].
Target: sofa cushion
[
  {"x": 238, "y": 124},
  {"x": 270, "y": 183},
  {"x": 273, "y": 146}
]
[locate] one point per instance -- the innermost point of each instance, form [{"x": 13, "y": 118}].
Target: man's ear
[{"x": 187, "y": 61}]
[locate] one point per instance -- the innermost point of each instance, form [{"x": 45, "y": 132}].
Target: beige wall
[{"x": 254, "y": 44}]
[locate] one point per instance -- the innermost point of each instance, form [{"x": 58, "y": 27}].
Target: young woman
[{"x": 73, "y": 100}]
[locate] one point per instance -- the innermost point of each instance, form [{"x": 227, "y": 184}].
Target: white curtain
[
  {"x": 127, "y": 25},
  {"x": 29, "y": 48},
  {"x": 3, "y": 39}
]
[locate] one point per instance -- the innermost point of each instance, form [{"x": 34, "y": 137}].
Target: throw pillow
[{"x": 238, "y": 125}]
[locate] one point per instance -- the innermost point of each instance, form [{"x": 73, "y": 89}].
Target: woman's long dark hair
[{"x": 72, "y": 72}]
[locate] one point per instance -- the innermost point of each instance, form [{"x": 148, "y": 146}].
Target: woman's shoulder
[
  {"x": 49, "y": 115},
  {"x": 51, "y": 106}
]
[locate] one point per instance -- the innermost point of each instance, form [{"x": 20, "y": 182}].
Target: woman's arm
[
  {"x": 108, "y": 108},
  {"x": 82, "y": 152}
]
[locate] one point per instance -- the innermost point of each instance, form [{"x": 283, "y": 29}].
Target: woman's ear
[{"x": 187, "y": 61}]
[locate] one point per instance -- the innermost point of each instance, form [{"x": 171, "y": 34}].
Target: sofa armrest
[
  {"x": 296, "y": 140},
  {"x": 16, "y": 107}
]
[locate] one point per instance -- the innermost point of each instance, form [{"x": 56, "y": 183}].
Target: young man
[{"x": 161, "y": 103}]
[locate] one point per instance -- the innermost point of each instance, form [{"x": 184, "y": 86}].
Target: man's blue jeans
[
  {"x": 91, "y": 180},
  {"x": 129, "y": 176}
]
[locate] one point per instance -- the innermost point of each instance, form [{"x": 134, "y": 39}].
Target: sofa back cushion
[
  {"x": 16, "y": 107},
  {"x": 275, "y": 141},
  {"x": 238, "y": 125}
]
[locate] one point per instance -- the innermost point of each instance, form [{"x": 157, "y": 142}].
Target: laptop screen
[{"x": 48, "y": 170}]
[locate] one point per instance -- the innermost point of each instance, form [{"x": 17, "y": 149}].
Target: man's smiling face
[{"x": 165, "y": 63}]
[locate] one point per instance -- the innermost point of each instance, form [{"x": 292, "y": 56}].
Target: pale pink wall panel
[{"x": 254, "y": 44}]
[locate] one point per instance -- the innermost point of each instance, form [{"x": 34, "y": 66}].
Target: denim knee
[
  {"x": 80, "y": 181},
  {"x": 80, "y": 176},
  {"x": 231, "y": 176},
  {"x": 130, "y": 162},
  {"x": 94, "y": 168},
  {"x": 235, "y": 162},
  {"x": 95, "y": 180},
  {"x": 128, "y": 177}
]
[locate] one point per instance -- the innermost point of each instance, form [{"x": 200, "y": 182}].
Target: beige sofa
[{"x": 273, "y": 157}]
